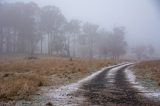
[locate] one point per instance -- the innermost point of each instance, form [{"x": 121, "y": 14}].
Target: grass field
[
  {"x": 20, "y": 78},
  {"x": 149, "y": 70}
]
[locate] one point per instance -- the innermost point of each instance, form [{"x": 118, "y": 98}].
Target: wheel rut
[{"x": 101, "y": 91}]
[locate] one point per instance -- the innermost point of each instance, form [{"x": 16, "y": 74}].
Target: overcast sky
[{"x": 140, "y": 17}]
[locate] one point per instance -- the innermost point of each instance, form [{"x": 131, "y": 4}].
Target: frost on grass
[{"x": 150, "y": 93}]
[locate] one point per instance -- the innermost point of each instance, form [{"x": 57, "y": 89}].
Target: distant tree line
[
  {"x": 26, "y": 28},
  {"x": 144, "y": 52}
]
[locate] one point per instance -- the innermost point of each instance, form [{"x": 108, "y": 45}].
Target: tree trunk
[
  {"x": 68, "y": 46},
  {"x": 1, "y": 39},
  {"x": 49, "y": 51},
  {"x": 41, "y": 45},
  {"x": 74, "y": 45},
  {"x": 8, "y": 41}
]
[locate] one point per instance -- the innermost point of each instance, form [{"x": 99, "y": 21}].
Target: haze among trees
[
  {"x": 144, "y": 52},
  {"x": 27, "y": 29}
]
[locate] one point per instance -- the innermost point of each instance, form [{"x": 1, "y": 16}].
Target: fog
[
  {"x": 65, "y": 52},
  {"x": 139, "y": 17}
]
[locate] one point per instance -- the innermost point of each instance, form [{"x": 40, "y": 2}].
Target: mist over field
[
  {"x": 79, "y": 52},
  {"x": 140, "y": 18}
]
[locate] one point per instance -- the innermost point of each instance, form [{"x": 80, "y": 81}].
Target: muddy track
[
  {"x": 108, "y": 87},
  {"x": 101, "y": 91}
]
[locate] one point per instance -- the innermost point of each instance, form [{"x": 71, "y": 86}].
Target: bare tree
[
  {"x": 90, "y": 31},
  {"x": 140, "y": 52},
  {"x": 116, "y": 43},
  {"x": 52, "y": 22},
  {"x": 72, "y": 29},
  {"x": 1, "y": 29},
  {"x": 144, "y": 51},
  {"x": 24, "y": 27},
  {"x": 102, "y": 43},
  {"x": 151, "y": 50}
]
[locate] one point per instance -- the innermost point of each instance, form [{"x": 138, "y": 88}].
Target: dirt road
[{"x": 109, "y": 87}]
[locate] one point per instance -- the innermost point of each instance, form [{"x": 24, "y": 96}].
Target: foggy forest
[
  {"x": 27, "y": 29},
  {"x": 79, "y": 53}
]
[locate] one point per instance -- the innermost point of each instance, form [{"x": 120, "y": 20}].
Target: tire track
[
  {"x": 71, "y": 95},
  {"x": 113, "y": 90},
  {"x": 107, "y": 87}
]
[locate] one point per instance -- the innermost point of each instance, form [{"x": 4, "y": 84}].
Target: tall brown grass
[
  {"x": 20, "y": 78},
  {"x": 149, "y": 70}
]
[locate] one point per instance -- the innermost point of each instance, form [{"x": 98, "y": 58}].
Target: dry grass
[
  {"x": 149, "y": 70},
  {"x": 20, "y": 78}
]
